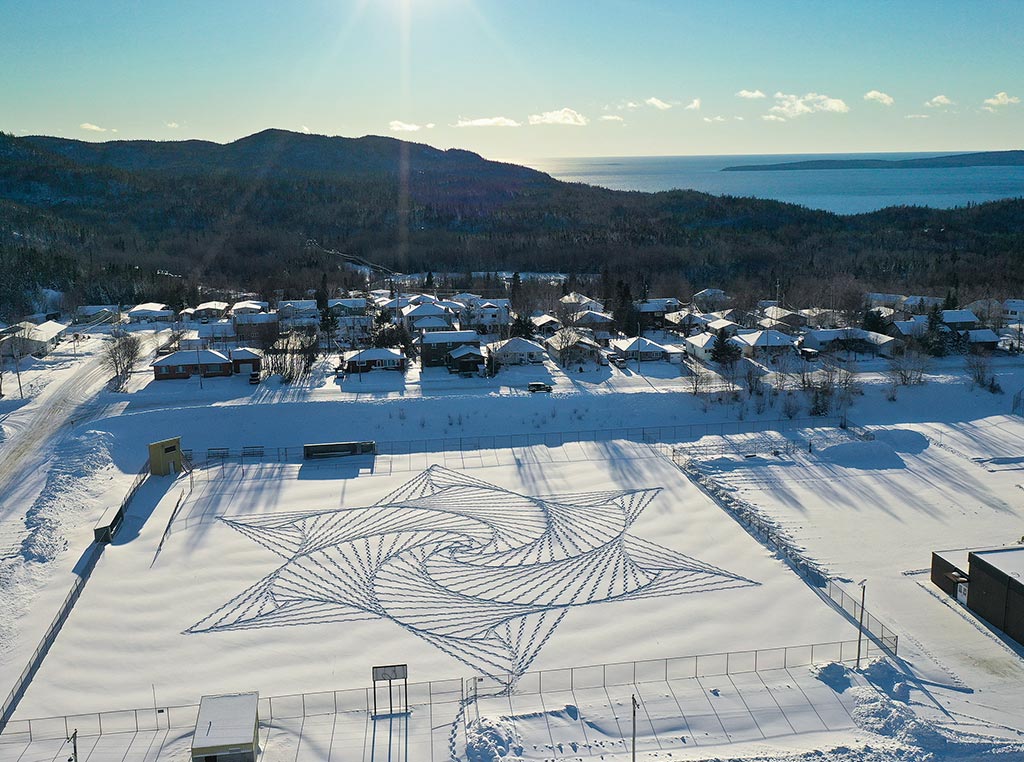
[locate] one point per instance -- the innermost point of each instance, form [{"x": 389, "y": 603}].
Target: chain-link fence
[
  {"x": 641, "y": 434},
  {"x": 446, "y": 698}
]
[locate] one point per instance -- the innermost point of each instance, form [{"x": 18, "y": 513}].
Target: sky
[{"x": 525, "y": 78}]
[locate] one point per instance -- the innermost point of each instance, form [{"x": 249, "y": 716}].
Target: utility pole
[{"x": 860, "y": 626}]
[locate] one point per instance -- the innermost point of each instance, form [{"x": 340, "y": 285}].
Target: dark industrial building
[{"x": 990, "y": 582}]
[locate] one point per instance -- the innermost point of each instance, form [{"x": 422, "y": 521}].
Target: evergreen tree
[
  {"x": 873, "y": 321},
  {"x": 723, "y": 351},
  {"x": 951, "y": 302},
  {"x": 521, "y": 326},
  {"x": 322, "y": 293}
]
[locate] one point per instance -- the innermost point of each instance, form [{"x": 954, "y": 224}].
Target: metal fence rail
[{"x": 455, "y": 692}]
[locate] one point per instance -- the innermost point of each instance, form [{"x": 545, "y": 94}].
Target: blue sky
[{"x": 520, "y": 78}]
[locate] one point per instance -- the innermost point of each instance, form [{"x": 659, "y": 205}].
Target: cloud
[
  {"x": 790, "y": 106},
  {"x": 710, "y": 119},
  {"x": 1001, "y": 99},
  {"x": 750, "y": 94},
  {"x": 773, "y": 118},
  {"x": 397, "y": 126},
  {"x": 693, "y": 105},
  {"x": 939, "y": 101},
  {"x": 92, "y": 127},
  {"x": 916, "y": 116},
  {"x": 658, "y": 103},
  {"x": 305, "y": 130},
  {"x": 172, "y": 125},
  {"x": 487, "y": 121},
  {"x": 875, "y": 95},
  {"x": 565, "y": 116},
  {"x": 611, "y": 118}
]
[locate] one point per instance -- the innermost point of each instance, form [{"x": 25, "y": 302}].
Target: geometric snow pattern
[{"x": 480, "y": 572}]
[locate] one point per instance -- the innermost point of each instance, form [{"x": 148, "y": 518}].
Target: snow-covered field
[{"x": 510, "y": 559}]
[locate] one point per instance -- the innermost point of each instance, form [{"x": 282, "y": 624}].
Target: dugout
[
  {"x": 337, "y": 449},
  {"x": 227, "y": 729},
  {"x": 165, "y": 457},
  {"x": 991, "y": 585}
]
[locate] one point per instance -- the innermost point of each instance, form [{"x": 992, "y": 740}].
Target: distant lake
[{"x": 844, "y": 191}]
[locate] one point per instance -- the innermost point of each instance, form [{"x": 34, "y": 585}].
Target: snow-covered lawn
[{"x": 674, "y": 584}]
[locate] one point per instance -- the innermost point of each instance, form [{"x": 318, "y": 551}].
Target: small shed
[{"x": 227, "y": 729}]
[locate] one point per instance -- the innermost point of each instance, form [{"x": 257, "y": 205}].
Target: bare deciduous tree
[
  {"x": 120, "y": 355},
  {"x": 908, "y": 369}
]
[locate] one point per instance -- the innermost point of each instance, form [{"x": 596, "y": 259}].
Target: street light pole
[
  {"x": 860, "y": 625},
  {"x": 635, "y": 705}
]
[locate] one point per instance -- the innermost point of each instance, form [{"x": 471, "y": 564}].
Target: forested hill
[{"x": 102, "y": 220}]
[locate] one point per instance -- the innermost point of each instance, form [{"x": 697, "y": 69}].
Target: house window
[{"x": 181, "y": 369}]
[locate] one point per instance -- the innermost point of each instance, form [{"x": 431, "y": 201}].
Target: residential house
[
  {"x": 516, "y": 351},
  {"x": 573, "y": 345},
  {"x": 980, "y": 339},
  {"x": 96, "y": 313},
  {"x": 545, "y": 324},
  {"x": 780, "y": 319},
  {"x": 652, "y": 312},
  {"x": 347, "y": 306},
  {"x": 918, "y": 305},
  {"x": 764, "y": 345},
  {"x": 465, "y": 359},
  {"x": 210, "y": 310},
  {"x": 385, "y": 358},
  {"x": 959, "y": 320},
  {"x": 576, "y": 302},
  {"x": 297, "y": 310},
  {"x": 149, "y": 312},
  {"x": 722, "y": 324},
  {"x": 710, "y": 299},
  {"x": 851, "y": 340},
  {"x": 639, "y": 348},
  {"x": 261, "y": 326},
  {"x": 487, "y": 316},
  {"x": 883, "y": 300},
  {"x": 26, "y": 338},
  {"x": 700, "y": 346},
  {"x": 686, "y": 321},
  {"x": 1013, "y": 311},
  {"x": 186, "y": 363},
  {"x": 427, "y": 316},
  {"x": 436, "y": 345},
  {"x": 249, "y": 307}
]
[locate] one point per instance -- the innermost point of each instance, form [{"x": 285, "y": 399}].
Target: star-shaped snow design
[{"x": 482, "y": 573}]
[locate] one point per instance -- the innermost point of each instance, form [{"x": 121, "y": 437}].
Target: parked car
[
  {"x": 254, "y": 377},
  {"x": 619, "y": 362},
  {"x": 538, "y": 386}
]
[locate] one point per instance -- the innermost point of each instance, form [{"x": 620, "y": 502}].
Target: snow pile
[
  {"x": 492, "y": 738},
  {"x": 884, "y": 676},
  {"x": 65, "y": 497},
  {"x": 875, "y": 455},
  {"x": 833, "y": 674}
]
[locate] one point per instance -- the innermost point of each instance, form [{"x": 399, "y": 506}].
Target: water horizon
[{"x": 842, "y": 191}]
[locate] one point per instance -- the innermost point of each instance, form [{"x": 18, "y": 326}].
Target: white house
[
  {"x": 517, "y": 351},
  {"x": 639, "y": 348},
  {"x": 1013, "y": 311},
  {"x": 576, "y": 302},
  {"x": 761, "y": 345},
  {"x": 150, "y": 312},
  {"x": 28, "y": 339},
  {"x": 699, "y": 346}
]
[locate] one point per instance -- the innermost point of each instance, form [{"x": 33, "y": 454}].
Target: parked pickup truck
[{"x": 538, "y": 386}]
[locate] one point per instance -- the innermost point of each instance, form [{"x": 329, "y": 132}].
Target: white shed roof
[
  {"x": 228, "y": 720},
  {"x": 191, "y": 357}
]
